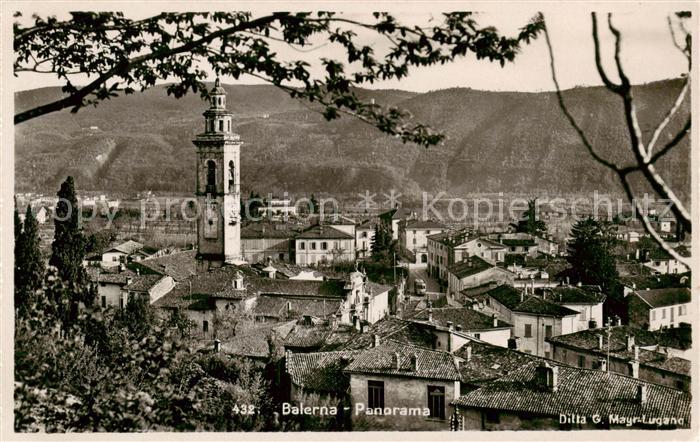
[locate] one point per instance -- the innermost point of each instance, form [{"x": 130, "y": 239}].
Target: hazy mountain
[{"x": 496, "y": 142}]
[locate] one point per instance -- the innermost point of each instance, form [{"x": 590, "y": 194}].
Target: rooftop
[
  {"x": 468, "y": 318},
  {"x": 516, "y": 301},
  {"x": 400, "y": 330},
  {"x": 179, "y": 265},
  {"x": 664, "y": 297},
  {"x": 574, "y": 295},
  {"x": 323, "y": 232},
  {"x": 287, "y": 307},
  {"x": 488, "y": 362},
  {"x": 127, "y": 247},
  {"x": 418, "y": 224},
  {"x": 430, "y": 364},
  {"x": 470, "y": 266},
  {"x": 321, "y": 371},
  {"x": 267, "y": 230},
  {"x": 254, "y": 341},
  {"x": 143, "y": 283},
  {"x": 605, "y": 393}
]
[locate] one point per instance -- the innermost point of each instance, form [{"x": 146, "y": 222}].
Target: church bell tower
[{"x": 218, "y": 186}]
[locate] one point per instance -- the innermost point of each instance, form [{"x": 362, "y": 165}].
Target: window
[
  {"x": 363, "y": 235},
  {"x": 205, "y": 326},
  {"x": 477, "y": 335},
  {"x": 582, "y": 361},
  {"x": 313, "y": 245},
  {"x": 546, "y": 355},
  {"x": 281, "y": 256},
  {"x": 584, "y": 313},
  {"x": 436, "y": 401},
  {"x": 375, "y": 394},
  {"x": 104, "y": 301},
  {"x": 228, "y": 125},
  {"x": 324, "y": 245},
  {"x": 414, "y": 241},
  {"x": 231, "y": 177},
  {"x": 121, "y": 302},
  {"x": 302, "y": 245},
  {"x": 663, "y": 313},
  {"x": 653, "y": 315},
  {"x": 528, "y": 330},
  {"x": 493, "y": 417},
  {"x": 547, "y": 331},
  {"x": 681, "y": 310},
  {"x": 211, "y": 176},
  {"x": 221, "y": 125}
]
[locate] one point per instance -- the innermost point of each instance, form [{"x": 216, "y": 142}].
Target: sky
[{"x": 648, "y": 53}]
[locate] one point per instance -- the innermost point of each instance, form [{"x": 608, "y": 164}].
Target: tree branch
[{"x": 671, "y": 112}]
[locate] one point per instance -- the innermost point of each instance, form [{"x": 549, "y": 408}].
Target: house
[
  {"x": 450, "y": 247},
  {"x": 393, "y": 328},
  {"x": 626, "y": 350},
  {"x": 473, "y": 323},
  {"x": 586, "y": 300},
  {"x": 547, "y": 396},
  {"x": 533, "y": 319},
  {"x": 395, "y": 386},
  {"x": 152, "y": 287},
  {"x": 472, "y": 272},
  {"x": 260, "y": 241},
  {"x": 364, "y": 237},
  {"x": 519, "y": 243},
  {"x": 179, "y": 265},
  {"x": 315, "y": 378},
  {"x": 322, "y": 244},
  {"x": 653, "y": 309},
  {"x": 115, "y": 255},
  {"x": 393, "y": 217},
  {"x": 661, "y": 262},
  {"x": 238, "y": 289},
  {"x": 413, "y": 237},
  {"x": 110, "y": 285},
  {"x": 310, "y": 334},
  {"x": 277, "y": 208},
  {"x": 258, "y": 343},
  {"x": 41, "y": 214}
]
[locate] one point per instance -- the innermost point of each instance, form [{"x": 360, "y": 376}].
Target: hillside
[{"x": 496, "y": 142}]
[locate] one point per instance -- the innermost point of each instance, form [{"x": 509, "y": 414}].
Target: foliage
[
  {"x": 125, "y": 55},
  {"x": 98, "y": 241},
  {"x": 531, "y": 223},
  {"x": 68, "y": 253},
  {"x": 29, "y": 264},
  {"x": 590, "y": 253},
  {"x": 108, "y": 374},
  {"x": 383, "y": 246}
]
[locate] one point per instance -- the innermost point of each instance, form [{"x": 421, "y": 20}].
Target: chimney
[
  {"x": 630, "y": 342},
  {"x": 456, "y": 359},
  {"x": 547, "y": 376},
  {"x": 396, "y": 362},
  {"x": 217, "y": 345},
  {"x": 567, "y": 281},
  {"x": 430, "y": 314},
  {"x": 450, "y": 326},
  {"x": 494, "y": 318},
  {"x": 642, "y": 393},
  {"x": 600, "y": 342},
  {"x": 578, "y": 284},
  {"x": 603, "y": 364},
  {"x": 469, "y": 353},
  {"x": 363, "y": 327},
  {"x": 289, "y": 306},
  {"x": 129, "y": 280},
  {"x": 376, "y": 340},
  {"x": 458, "y": 327},
  {"x": 514, "y": 343},
  {"x": 634, "y": 369},
  {"x": 356, "y": 322},
  {"x": 414, "y": 362},
  {"x": 618, "y": 321},
  {"x": 122, "y": 267},
  {"x": 522, "y": 295},
  {"x": 636, "y": 352}
]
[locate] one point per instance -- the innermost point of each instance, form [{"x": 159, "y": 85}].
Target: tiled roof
[
  {"x": 323, "y": 232},
  {"x": 468, "y": 318},
  {"x": 278, "y": 307},
  {"x": 253, "y": 341},
  {"x": 143, "y": 283},
  {"x": 518, "y": 242},
  {"x": 179, "y": 265},
  {"x": 470, "y": 266},
  {"x": 400, "y": 330},
  {"x": 267, "y": 230},
  {"x": 664, "y": 297},
  {"x": 430, "y": 364},
  {"x": 574, "y": 295},
  {"x": 320, "y": 372},
  {"x": 368, "y": 224},
  {"x": 115, "y": 277},
  {"x": 305, "y": 335},
  {"x": 643, "y": 282},
  {"x": 511, "y": 298},
  {"x": 423, "y": 224},
  {"x": 127, "y": 247},
  {"x": 397, "y": 213},
  {"x": 579, "y": 391},
  {"x": 377, "y": 288},
  {"x": 195, "y": 301},
  {"x": 488, "y": 362},
  {"x": 588, "y": 340}
]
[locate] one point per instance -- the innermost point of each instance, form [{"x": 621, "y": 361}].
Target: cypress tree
[
  {"x": 29, "y": 265},
  {"x": 19, "y": 298},
  {"x": 591, "y": 254},
  {"x": 68, "y": 247}
]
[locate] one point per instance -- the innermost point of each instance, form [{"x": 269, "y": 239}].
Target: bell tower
[{"x": 218, "y": 185}]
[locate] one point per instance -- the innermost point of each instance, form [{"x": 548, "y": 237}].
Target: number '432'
[{"x": 244, "y": 409}]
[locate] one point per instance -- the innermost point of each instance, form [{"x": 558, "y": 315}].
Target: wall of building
[
  {"x": 475, "y": 419},
  {"x": 670, "y": 316},
  {"x": 112, "y": 294},
  {"x": 666, "y": 266},
  {"x": 259, "y": 249},
  {"x": 586, "y": 313},
  {"x": 112, "y": 259},
  {"x": 494, "y": 274},
  {"x": 309, "y": 256},
  {"x": 401, "y": 392},
  {"x": 363, "y": 242},
  {"x": 161, "y": 288}
]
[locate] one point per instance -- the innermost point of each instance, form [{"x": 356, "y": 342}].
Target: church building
[{"x": 218, "y": 186}]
